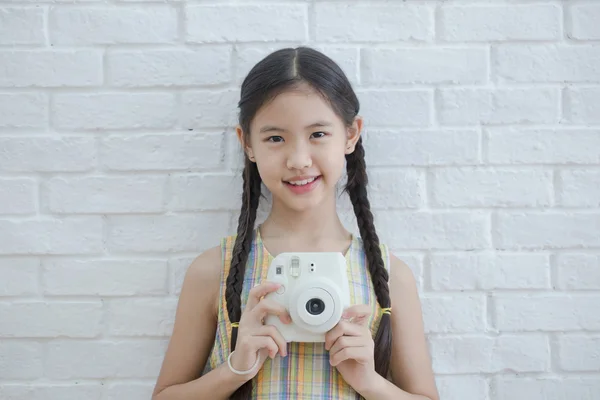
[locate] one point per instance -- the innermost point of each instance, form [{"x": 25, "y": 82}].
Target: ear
[
  {"x": 353, "y": 134},
  {"x": 245, "y": 146}
]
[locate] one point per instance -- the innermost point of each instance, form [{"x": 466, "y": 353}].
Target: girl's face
[{"x": 299, "y": 145}]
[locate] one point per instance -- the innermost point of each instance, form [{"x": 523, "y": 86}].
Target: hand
[
  {"x": 351, "y": 347},
  {"x": 254, "y": 338}
]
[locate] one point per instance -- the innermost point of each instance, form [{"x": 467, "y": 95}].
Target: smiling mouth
[{"x": 302, "y": 182}]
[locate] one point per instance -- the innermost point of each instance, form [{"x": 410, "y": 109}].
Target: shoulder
[
  {"x": 401, "y": 275},
  {"x": 204, "y": 273},
  {"x": 206, "y": 265}
]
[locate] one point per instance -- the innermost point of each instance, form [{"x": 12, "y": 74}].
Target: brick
[
  {"x": 579, "y": 353},
  {"x": 18, "y": 276},
  {"x": 543, "y": 146},
  {"x": 544, "y": 230},
  {"x": 54, "y": 1},
  {"x": 20, "y": 26},
  {"x": 166, "y": 233},
  {"x": 129, "y": 390},
  {"x": 437, "y": 231},
  {"x": 420, "y": 65},
  {"x": 453, "y": 313},
  {"x": 178, "y": 152},
  {"x": 583, "y": 21},
  {"x": 113, "y": 25},
  {"x": 20, "y": 360},
  {"x": 499, "y": 106},
  {"x": 540, "y": 388},
  {"x": 71, "y": 235},
  {"x": 548, "y": 63},
  {"x": 76, "y": 68},
  {"x": 412, "y": 108},
  {"x": 373, "y": 22},
  {"x": 553, "y": 312},
  {"x": 482, "y": 354},
  {"x": 23, "y": 110},
  {"x": 582, "y": 105},
  {"x": 106, "y": 195},
  {"x": 45, "y": 154},
  {"x": 171, "y": 67},
  {"x": 178, "y": 267},
  {"x": 396, "y": 188},
  {"x": 51, "y": 391},
  {"x": 489, "y": 271},
  {"x": 188, "y": 192},
  {"x": 114, "y": 359},
  {"x": 462, "y": 387},
  {"x": 18, "y": 196},
  {"x": 579, "y": 188},
  {"x": 491, "y": 187},
  {"x": 141, "y": 317},
  {"x": 114, "y": 111},
  {"x": 246, "y": 23},
  {"x": 422, "y": 147},
  {"x": 107, "y": 277},
  {"x": 202, "y": 109},
  {"x": 578, "y": 271},
  {"x": 500, "y": 23},
  {"x": 49, "y": 319}
]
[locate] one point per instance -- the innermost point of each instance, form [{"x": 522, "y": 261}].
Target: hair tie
[
  {"x": 387, "y": 311},
  {"x": 235, "y": 325}
]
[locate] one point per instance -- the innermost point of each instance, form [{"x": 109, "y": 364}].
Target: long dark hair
[{"x": 281, "y": 70}]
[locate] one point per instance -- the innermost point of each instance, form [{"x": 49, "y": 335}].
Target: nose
[{"x": 299, "y": 157}]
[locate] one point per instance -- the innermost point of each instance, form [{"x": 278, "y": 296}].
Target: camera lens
[{"x": 315, "y": 306}]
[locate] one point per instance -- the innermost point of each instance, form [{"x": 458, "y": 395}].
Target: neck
[{"x": 314, "y": 225}]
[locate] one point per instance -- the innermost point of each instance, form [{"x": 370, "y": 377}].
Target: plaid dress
[{"x": 305, "y": 373}]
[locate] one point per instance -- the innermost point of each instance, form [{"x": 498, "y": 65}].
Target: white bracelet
[{"x": 235, "y": 371}]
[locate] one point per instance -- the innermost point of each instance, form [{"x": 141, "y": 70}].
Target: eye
[
  {"x": 319, "y": 134},
  {"x": 275, "y": 139}
]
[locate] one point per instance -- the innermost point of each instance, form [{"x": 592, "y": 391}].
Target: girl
[{"x": 299, "y": 127}]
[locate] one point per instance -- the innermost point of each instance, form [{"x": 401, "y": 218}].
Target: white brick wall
[{"x": 118, "y": 164}]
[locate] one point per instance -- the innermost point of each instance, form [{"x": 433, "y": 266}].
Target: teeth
[{"x": 302, "y": 183}]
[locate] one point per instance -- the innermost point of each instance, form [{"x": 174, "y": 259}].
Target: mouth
[
  {"x": 303, "y": 182},
  {"x": 303, "y": 186}
]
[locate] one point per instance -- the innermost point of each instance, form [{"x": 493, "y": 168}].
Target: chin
[{"x": 301, "y": 203}]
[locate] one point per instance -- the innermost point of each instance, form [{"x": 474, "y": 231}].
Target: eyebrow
[{"x": 272, "y": 128}]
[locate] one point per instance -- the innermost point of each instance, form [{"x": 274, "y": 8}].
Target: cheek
[{"x": 334, "y": 166}]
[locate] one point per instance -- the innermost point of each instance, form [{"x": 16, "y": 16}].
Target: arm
[
  {"x": 193, "y": 337},
  {"x": 410, "y": 360}
]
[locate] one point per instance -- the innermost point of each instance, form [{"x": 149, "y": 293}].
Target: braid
[
  {"x": 241, "y": 248},
  {"x": 357, "y": 190}
]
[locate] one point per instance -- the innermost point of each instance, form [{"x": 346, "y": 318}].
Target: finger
[
  {"x": 259, "y": 291},
  {"x": 348, "y": 341},
  {"x": 359, "y": 354},
  {"x": 273, "y": 333},
  {"x": 265, "y": 342},
  {"x": 341, "y": 329},
  {"x": 267, "y": 306},
  {"x": 358, "y": 313}
]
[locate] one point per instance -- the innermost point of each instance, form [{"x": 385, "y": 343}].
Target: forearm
[
  {"x": 218, "y": 384},
  {"x": 382, "y": 389}
]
